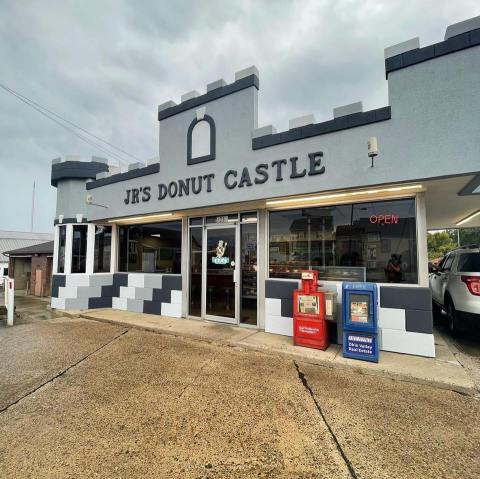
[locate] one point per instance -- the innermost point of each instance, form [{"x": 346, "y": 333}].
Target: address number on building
[{"x": 308, "y": 304}]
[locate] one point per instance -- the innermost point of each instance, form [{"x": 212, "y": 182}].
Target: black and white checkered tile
[
  {"x": 404, "y": 315},
  {"x": 136, "y": 292}
]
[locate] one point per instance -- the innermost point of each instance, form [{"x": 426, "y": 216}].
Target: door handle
[{"x": 235, "y": 275}]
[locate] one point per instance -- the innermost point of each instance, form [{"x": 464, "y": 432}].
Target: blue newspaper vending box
[{"x": 359, "y": 318}]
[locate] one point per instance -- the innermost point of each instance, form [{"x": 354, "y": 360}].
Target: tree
[
  {"x": 469, "y": 236},
  {"x": 440, "y": 243}
]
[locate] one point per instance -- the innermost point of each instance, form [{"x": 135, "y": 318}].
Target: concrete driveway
[{"x": 87, "y": 399}]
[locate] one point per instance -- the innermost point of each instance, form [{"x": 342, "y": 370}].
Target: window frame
[
  {"x": 209, "y": 157},
  {"x": 95, "y": 260},
  {"x": 60, "y": 229},
  {"x": 340, "y": 203},
  {"x": 85, "y": 227},
  {"x": 119, "y": 249}
]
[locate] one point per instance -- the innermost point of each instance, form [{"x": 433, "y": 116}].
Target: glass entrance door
[{"x": 221, "y": 277}]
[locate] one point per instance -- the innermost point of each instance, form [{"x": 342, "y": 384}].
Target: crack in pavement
[
  {"x": 195, "y": 378},
  {"x": 61, "y": 373},
  {"x": 339, "y": 447}
]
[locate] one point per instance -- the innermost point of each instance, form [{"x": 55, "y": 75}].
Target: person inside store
[{"x": 393, "y": 270}]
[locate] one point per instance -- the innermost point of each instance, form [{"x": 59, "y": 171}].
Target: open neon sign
[{"x": 384, "y": 219}]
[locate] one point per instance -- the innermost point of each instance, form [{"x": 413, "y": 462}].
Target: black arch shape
[{"x": 201, "y": 159}]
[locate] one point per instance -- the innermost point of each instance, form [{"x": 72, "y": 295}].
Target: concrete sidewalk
[{"x": 444, "y": 371}]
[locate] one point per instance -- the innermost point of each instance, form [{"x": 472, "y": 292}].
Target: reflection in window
[
  {"x": 248, "y": 258},
  {"x": 373, "y": 241},
  {"x": 103, "y": 244},
  {"x": 196, "y": 239},
  {"x": 151, "y": 248},
  {"x": 79, "y": 249},
  {"x": 61, "y": 249}
]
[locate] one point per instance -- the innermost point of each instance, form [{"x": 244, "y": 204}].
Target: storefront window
[
  {"x": 103, "y": 245},
  {"x": 61, "y": 249},
  {"x": 79, "y": 249},
  {"x": 151, "y": 248},
  {"x": 374, "y": 241}
]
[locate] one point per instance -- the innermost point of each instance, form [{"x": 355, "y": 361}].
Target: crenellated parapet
[{"x": 245, "y": 78}]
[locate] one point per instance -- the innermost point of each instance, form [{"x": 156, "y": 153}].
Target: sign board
[
  {"x": 359, "y": 320},
  {"x": 220, "y": 260},
  {"x": 360, "y": 346},
  {"x": 308, "y": 304}
]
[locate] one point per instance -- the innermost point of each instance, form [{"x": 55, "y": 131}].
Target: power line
[
  {"x": 82, "y": 137},
  {"x": 10, "y": 90},
  {"x": 42, "y": 110}
]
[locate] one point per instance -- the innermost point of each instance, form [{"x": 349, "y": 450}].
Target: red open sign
[{"x": 384, "y": 219}]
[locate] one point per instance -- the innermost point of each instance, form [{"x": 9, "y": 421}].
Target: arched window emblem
[{"x": 201, "y": 140}]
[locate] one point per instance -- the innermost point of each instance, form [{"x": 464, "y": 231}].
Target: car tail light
[{"x": 473, "y": 284}]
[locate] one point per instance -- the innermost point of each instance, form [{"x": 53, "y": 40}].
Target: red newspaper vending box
[{"x": 309, "y": 324}]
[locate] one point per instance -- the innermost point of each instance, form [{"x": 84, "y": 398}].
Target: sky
[{"x": 107, "y": 65}]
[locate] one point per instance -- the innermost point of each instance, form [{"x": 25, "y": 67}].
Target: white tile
[
  {"x": 119, "y": 303},
  {"x": 279, "y": 325},
  {"x": 406, "y": 342},
  {"x": 136, "y": 279},
  {"x": 67, "y": 292},
  {"x": 176, "y": 297},
  {"x": 127, "y": 292},
  {"x": 391, "y": 318},
  {"x": 273, "y": 307},
  {"x": 57, "y": 303},
  {"x": 172, "y": 310},
  {"x": 78, "y": 279}
]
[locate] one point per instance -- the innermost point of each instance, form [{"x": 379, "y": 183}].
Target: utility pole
[{"x": 33, "y": 207}]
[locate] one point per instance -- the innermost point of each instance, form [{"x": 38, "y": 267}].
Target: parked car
[{"x": 455, "y": 286}]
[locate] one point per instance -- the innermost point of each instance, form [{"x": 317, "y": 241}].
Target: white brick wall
[{"x": 406, "y": 342}]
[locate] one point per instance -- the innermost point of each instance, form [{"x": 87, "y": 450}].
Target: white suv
[{"x": 455, "y": 286}]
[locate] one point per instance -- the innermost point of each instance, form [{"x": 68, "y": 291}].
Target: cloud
[{"x": 107, "y": 65}]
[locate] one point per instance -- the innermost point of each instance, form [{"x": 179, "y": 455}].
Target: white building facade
[{"x": 221, "y": 226}]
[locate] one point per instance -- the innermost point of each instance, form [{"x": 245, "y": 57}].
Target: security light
[{"x": 372, "y": 146}]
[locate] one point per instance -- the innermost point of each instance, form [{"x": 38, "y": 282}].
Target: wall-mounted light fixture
[
  {"x": 347, "y": 194},
  {"x": 89, "y": 201},
  {"x": 140, "y": 219},
  {"x": 372, "y": 147},
  {"x": 468, "y": 218}
]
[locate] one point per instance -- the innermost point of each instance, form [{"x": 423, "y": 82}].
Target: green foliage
[
  {"x": 441, "y": 242},
  {"x": 469, "y": 236}
]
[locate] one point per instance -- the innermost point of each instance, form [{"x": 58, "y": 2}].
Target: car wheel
[{"x": 452, "y": 318}]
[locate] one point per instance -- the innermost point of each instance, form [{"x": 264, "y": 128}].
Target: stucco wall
[{"x": 432, "y": 132}]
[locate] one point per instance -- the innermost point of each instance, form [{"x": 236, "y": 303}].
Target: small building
[
  {"x": 12, "y": 240},
  {"x": 222, "y": 225},
  {"x": 31, "y": 268}
]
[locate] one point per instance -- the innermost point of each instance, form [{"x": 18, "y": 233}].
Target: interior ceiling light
[
  {"x": 129, "y": 219},
  {"x": 468, "y": 218},
  {"x": 347, "y": 194}
]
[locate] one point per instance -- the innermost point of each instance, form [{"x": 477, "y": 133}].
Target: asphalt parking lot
[{"x": 80, "y": 398}]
